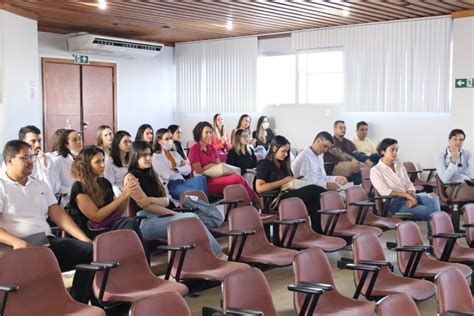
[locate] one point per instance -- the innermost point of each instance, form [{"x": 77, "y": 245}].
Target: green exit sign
[
  {"x": 464, "y": 83},
  {"x": 81, "y": 59}
]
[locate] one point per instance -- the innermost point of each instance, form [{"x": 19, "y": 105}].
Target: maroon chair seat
[
  {"x": 304, "y": 236},
  {"x": 453, "y": 292},
  {"x": 419, "y": 184},
  {"x": 41, "y": 290},
  {"x": 162, "y": 304},
  {"x": 396, "y": 304},
  {"x": 442, "y": 225},
  {"x": 409, "y": 234},
  {"x": 199, "y": 262},
  {"x": 332, "y": 200},
  {"x": 357, "y": 194},
  {"x": 469, "y": 223},
  {"x": 368, "y": 250},
  {"x": 257, "y": 249},
  {"x": 249, "y": 290},
  {"x": 132, "y": 279},
  {"x": 312, "y": 266}
]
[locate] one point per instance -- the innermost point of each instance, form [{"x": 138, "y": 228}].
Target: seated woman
[
  {"x": 55, "y": 140},
  {"x": 70, "y": 144},
  {"x": 104, "y": 136},
  {"x": 389, "y": 177},
  {"x": 244, "y": 123},
  {"x": 220, "y": 138},
  {"x": 145, "y": 132},
  {"x": 263, "y": 135},
  {"x": 150, "y": 198},
  {"x": 452, "y": 165},
  {"x": 176, "y": 133},
  {"x": 116, "y": 166},
  {"x": 242, "y": 155},
  {"x": 203, "y": 156},
  {"x": 275, "y": 171},
  {"x": 92, "y": 196},
  {"x": 171, "y": 167}
]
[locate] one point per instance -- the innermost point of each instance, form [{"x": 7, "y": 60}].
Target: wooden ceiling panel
[{"x": 179, "y": 21}]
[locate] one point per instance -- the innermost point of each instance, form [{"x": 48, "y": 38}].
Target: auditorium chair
[
  {"x": 454, "y": 296},
  {"x": 368, "y": 250}
]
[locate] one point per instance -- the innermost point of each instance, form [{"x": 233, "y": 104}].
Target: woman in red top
[{"x": 203, "y": 156}]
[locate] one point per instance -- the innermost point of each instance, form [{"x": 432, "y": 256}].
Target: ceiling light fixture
[
  {"x": 229, "y": 25},
  {"x": 102, "y": 4},
  {"x": 346, "y": 13}
]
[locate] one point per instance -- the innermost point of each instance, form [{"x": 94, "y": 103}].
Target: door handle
[{"x": 85, "y": 124}]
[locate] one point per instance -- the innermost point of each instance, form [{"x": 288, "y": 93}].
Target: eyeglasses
[{"x": 26, "y": 157}]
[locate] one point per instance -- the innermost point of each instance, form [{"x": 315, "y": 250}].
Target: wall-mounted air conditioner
[{"x": 105, "y": 45}]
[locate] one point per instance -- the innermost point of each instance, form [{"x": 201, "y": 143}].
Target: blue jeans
[
  {"x": 176, "y": 187},
  {"x": 422, "y": 211},
  {"x": 155, "y": 226}
]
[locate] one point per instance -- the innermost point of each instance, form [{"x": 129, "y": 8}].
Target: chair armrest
[
  {"x": 107, "y": 265},
  {"x": 449, "y": 235},
  {"x": 376, "y": 263},
  {"x": 92, "y": 267},
  {"x": 383, "y": 197},
  {"x": 305, "y": 289},
  {"x": 228, "y": 202},
  {"x": 469, "y": 182},
  {"x": 9, "y": 288},
  {"x": 176, "y": 247},
  {"x": 403, "y": 215},
  {"x": 268, "y": 194},
  {"x": 362, "y": 267},
  {"x": 363, "y": 203},
  {"x": 242, "y": 312},
  {"x": 332, "y": 212},
  {"x": 324, "y": 286},
  {"x": 428, "y": 169},
  {"x": 414, "y": 172},
  {"x": 452, "y": 184},
  {"x": 238, "y": 232},
  {"x": 413, "y": 248},
  {"x": 453, "y": 313},
  {"x": 185, "y": 209},
  {"x": 468, "y": 225},
  {"x": 290, "y": 221}
]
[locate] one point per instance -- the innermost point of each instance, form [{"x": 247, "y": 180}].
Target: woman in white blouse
[
  {"x": 116, "y": 166},
  {"x": 69, "y": 146},
  {"x": 389, "y": 177},
  {"x": 172, "y": 168}
]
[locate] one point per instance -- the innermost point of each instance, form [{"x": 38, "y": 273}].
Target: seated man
[
  {"x": 26, "y": 202},
  {"x": 310, "y": 164},
  {"x": 42, "y": 164},
  {"x": 452, "y": 165},
  {"x": 342, "y": 155},
  {"x": 365, "y": 146}
]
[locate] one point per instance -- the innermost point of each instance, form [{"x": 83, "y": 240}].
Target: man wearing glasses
[{"x": 26, "y": 202}]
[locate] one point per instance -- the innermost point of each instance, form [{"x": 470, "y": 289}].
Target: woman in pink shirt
[
  {"x": 389, "y": 177},
  {"x": 220, "y": 138},
  {"x": 203, "y": 156}
]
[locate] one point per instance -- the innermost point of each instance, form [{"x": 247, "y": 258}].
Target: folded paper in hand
[
  {"x": 38, "y": 239},
  {"x": 295, "y": 184},
  {"x": 220, "y": 170}
]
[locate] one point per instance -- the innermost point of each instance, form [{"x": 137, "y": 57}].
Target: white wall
[
  {"x": 145, "y": 87},
  {"x": 420, "y": 135},
  {"x": 19, "y": 69},
  {"x": 463, "y": 67}
]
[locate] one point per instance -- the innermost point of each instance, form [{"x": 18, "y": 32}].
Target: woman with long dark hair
[
  {"x": 172, "y": 168},
  {"x": 176, "y": 133},
  {"x": 92, "y": 202},
  {"x": 150, "y": 198},
  {"x": 145, "y": 133},
  {"x": 116, "y": 166},
  {"x": 244, "y": 123},
  {"x": 275, "y": 171},
  {"x": 243, "y": 156}
]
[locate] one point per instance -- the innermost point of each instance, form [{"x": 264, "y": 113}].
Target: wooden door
[
  {"x": 62, "y": 98},
  {"x": 81, "y": 97},
  {"x": 97, "y": 100}
]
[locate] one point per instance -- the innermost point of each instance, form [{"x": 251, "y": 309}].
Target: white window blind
[
  {"x": 217, "y": 76},
  {"x": 390, "y": 67}
]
